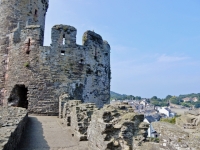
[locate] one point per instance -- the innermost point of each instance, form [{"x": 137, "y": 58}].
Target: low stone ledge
[{"x": 12, "y": 123}]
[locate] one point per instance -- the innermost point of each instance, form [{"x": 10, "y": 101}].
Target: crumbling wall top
[
  {"x": 65, "y": 35},
  {"x": 90, "y": 36}
]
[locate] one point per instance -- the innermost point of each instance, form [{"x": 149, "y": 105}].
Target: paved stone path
[{"x": 48, "y": 133}]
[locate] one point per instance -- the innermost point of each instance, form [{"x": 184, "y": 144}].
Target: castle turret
[{"x": 17, "y": 14}]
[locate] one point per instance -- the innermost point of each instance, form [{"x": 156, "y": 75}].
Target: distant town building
[
  {"x": 166, "y": 111},
  {"x": 151, "y": 131}
]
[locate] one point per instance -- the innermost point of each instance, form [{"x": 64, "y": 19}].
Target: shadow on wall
[{"x": 32, "y": 137}]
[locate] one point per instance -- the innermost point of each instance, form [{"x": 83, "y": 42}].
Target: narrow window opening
[
  {"x": 68, "y": 121},
  {"x": 63, "y": 39},
  {"x": 36, "y": 12},
  {"x": 81, "y": 61},
  {"x": 95, "y": 56},
  {"x": 29, "y": 42},
  {"x": 62, "y": 52},
  {"x": 28, "y": 46}
]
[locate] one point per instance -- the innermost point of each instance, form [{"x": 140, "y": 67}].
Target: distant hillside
[
  {"x": 117, "y": 96},
  {"x": 114, "y": 95},
  {"x": 192, "y": 95}
]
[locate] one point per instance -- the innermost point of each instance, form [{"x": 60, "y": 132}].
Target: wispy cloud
[{"x": 167, "y": 58}]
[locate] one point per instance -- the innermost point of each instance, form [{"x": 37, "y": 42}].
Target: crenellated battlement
[
  {"x": 63, "y": 35},
  {"x": 90, "y": 38}
]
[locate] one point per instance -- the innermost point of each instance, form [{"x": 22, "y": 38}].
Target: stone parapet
[
  {"x": 12, "y": 123},
  {"x": 78, "y": 115}
]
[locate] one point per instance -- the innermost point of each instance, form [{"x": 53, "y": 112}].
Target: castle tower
[{"x": 19, "y": 13}]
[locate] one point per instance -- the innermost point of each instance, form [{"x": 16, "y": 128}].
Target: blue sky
[{"x": 155, "y": 45}]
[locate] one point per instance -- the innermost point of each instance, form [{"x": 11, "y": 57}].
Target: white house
[
  {"x": 144, "y": 102},
  {"x": 166, "y": 111},
  {"x": 151, "y": 131},
  {"x": 195, "y": 99}
]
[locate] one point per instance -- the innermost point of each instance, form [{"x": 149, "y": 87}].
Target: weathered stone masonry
[
  {"x": 12, "y": 124},
  {"x": 41, "y": 74},
  {"x": 114, "y": 127},
  {"x": 15, "y": 13}
]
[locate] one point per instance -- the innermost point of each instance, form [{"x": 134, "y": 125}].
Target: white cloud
[{"x": 166, "y": 58}]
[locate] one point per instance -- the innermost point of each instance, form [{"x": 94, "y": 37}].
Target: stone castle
[
  {"x": 34, "y": 76},
  {"x": 64, "y": 79},
  {"x": 73, "y": 82}
]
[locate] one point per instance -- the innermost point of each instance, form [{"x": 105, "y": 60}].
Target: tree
[
  {"x": 198, "y": 98},
  {"x": 197, "y": 105},
  {"x": 132, "y": 97},
  {"x": 138, "y": 98},
  {"x": 174, "y": 100},
  {"x": 185, "y": 104},
  {"x": 168, "y": 97},
  {"x": 154, "y": 97}
]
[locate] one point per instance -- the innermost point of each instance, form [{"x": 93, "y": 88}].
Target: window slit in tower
[
  {"x": 63, "y": 39},
  {"x": 62, "y": 52},
  {"x": 28, "y": 46},
  {"x": 36, "y": 12}
]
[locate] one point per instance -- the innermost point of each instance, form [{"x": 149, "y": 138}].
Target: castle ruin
[
  {"x": 34, "y": 76},
  {"x": 64, "y": 79}
]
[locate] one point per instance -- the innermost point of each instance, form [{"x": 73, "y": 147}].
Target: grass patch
[
  {"x": 169, "y": 120},
  {"x": 26, "y": 64},
  {"x": 154, "y": 139}
]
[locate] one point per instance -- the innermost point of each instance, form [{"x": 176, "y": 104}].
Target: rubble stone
[
  {"x": 116, "y": 127},
  {"x": 174, "y": 138}
]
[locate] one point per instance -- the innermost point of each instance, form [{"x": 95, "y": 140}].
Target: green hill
[{"x": 117, "y": 96}]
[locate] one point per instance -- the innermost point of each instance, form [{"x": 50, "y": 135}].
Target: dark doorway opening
[{"x": 18, "y": 96}]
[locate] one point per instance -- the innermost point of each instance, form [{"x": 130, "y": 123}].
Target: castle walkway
[{"x": 48, "y": 133}]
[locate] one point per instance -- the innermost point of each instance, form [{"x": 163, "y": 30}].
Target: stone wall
[
  {"x": 41, "y": 73},
  {"x": 78, "y": 115},
  {"x": 112, "y": 127},
  {"x": 17, "y": 13},
  {"x": 116, "y": 127},
  {"x": 12, "y": 123},
  {"x": 81, "y": 72}
]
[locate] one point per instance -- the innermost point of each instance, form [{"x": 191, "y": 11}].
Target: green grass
[
  {"x": 154, "y": 139},
  {"x": 169, "y": 120},
  {"x": 26, "y": 64}
]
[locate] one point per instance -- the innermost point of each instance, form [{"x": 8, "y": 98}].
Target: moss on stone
[
  {"x": 65, "y": 28},
  {"x": 26, "y": 64},
  {"x": 84, "y": 39}
]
